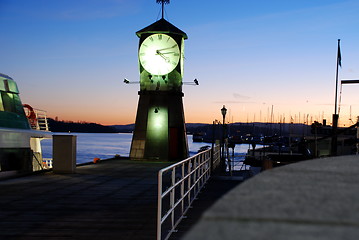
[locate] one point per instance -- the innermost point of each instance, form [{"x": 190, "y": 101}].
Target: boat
[
  {"x": 198, "y": 137},
  {"x": 21, "y": 130},
  {"x": 279, "y": 151},
  {"x": 204, "y": 148}
]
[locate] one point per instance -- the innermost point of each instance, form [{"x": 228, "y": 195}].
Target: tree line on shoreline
[
  {"x": 84, "y": 127},
  {"x": 233, "y": 129}
]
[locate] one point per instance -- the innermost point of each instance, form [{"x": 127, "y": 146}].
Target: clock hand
[
  {"x": 163, "y": 56},
  {"x": 167, "y": 48}
]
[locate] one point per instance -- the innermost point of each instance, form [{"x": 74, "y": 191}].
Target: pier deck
[{"x": 114, "y": 199}]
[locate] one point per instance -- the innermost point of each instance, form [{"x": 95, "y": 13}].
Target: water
[{"x": 107, "y": 145}]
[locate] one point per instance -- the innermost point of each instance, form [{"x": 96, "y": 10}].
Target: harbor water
[{"x": 107, "y": 145}]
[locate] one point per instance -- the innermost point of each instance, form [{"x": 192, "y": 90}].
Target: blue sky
[{"x": 70, "y": 57}]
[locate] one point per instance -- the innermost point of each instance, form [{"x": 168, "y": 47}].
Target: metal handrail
[
  {"x": 47, "y": 162},
  {"x": 179, "y": 185},
  {"x": 41, "y": 117}
]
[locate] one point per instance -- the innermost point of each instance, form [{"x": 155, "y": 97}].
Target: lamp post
[{"x": 224, "y": 112}]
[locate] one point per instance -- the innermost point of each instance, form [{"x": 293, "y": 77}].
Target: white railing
[
  {"x": 216, "y": 156},
  {"x": 47, "y": 162},
  {"x": 39, "y": 163},
  {"x": 41, "y": 123},
  {"x": 37, "y": 118},
  {"x": 178, "y": 186}
]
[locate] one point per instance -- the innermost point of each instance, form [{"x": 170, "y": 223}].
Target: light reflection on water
[{"x": 107, "y": 145}]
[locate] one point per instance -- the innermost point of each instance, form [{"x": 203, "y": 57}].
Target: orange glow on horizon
[{"x": 234, "y": 114}]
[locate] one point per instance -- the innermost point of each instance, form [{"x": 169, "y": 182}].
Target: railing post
[
  {"x": 182, "y": 191},
  {"x": 212, "y": 149},
  {"x": 172, "y": 197},
  {"x": 189, "y": 179},
  {"x": 159, "y": 206},
  {"x": 37, "y": 121},
  {"x": 46, "y": 124}
]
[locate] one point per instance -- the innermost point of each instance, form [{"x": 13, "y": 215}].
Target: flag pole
[
  {"x": 336, "y": 77},
  {"x": 334, "y": 143}
]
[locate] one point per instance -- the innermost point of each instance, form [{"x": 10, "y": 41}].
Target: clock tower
[{"x": 160, "y": 132}]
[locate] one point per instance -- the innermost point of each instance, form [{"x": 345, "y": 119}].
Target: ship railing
[
  {"x": 179, "y": 185},
  {"x": 39, "y": 163},
  {"x": 41, "y": 122},
  {"x": 47, "y": 162}
]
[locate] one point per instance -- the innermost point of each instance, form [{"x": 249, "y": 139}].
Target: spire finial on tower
[{"x": 163, "y": 2}]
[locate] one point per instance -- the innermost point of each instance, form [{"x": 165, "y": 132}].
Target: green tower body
[{"x": 160, "y": 132}]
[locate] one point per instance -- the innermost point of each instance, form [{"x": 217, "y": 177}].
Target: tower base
[{"x": 160, "y": 132}]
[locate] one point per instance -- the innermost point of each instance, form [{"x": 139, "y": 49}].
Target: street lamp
[
  {"x": 224, "y": 112},
  {"x": 223, "y": 164}
]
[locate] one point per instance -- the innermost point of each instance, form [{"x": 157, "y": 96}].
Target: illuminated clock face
[{"x": 159, "y": 54}]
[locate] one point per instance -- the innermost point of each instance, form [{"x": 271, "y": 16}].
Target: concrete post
[{"x": 64, "y": 153}]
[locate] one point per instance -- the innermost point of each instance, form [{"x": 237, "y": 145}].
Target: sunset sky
[{"x": 69, "y": 57}]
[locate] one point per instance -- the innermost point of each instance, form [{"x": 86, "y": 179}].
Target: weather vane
[{"x": 163, "y": 2}]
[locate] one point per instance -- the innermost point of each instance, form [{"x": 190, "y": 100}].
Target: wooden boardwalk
[{"x": 114, "y": 199}]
